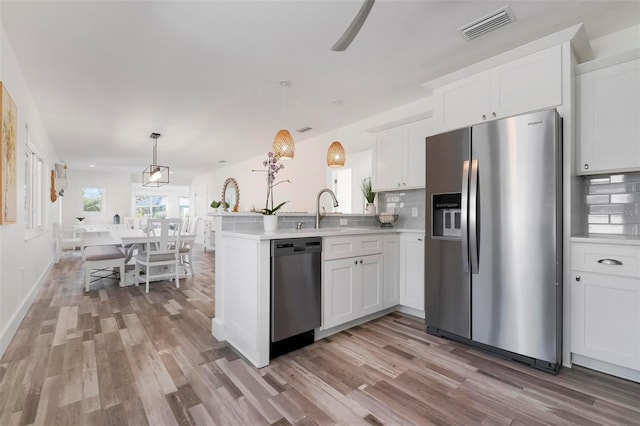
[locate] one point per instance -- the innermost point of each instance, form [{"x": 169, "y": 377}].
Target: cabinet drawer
[
  {"x": 351, "y": 246},
  {"x": 606, "y": 259}
]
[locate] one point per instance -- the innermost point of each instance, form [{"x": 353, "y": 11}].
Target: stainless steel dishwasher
[{"x": 295, "y": 293}]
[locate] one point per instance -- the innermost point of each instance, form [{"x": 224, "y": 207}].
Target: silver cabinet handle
[
  {"x": 493, "y": 114},
  {"x": 484, "y": 117},
  {"x": 361, "y": 261},
  {"x": 419, "y": 239},
  {"x": 577, "y": 277},
  {"x": 355, "y": 262},
  {"x": 586, "y": 166},
  {"x": 609, "y": 262}
]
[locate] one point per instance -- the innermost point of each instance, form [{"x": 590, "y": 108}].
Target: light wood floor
[{"x": 118, "y": 356}]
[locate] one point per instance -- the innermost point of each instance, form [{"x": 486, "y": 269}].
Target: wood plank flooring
[{"x": 118, "y": 356}]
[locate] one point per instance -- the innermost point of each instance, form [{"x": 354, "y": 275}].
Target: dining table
[{"x": 132, "y": 239}]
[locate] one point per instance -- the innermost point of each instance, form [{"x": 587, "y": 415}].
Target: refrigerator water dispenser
[{"x": 446, "y": 215}]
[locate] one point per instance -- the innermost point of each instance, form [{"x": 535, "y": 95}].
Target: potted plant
[
  {"x": 215, "y": 205},
  {"x": 369, "y": 195},
  {"x": 273, "y": 166}
]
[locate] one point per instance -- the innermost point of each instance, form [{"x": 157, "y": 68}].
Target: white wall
[
  {"x": 120, "y": 190},
  {"x": 308, "y": 170},
  {"x": 23, "y": 263},
  {"x": 117, "y": 196},
  {"x": 617, "y": 42}
]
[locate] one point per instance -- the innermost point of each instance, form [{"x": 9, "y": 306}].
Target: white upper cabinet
[
  {"x": 399, "y": 157},
  {"x": 462, "y": 102},
  {"x": 527, "y": 84},
  {"x": 609, "y": 119}
]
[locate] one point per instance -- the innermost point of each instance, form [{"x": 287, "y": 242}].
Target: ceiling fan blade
[{"x": 348, "y": 36}]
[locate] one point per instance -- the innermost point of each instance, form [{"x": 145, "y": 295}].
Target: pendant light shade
[
  {"x": 155, "y": 175},
  {"x": 336, "y": 155},
  {"x": 283, "y": 145}
]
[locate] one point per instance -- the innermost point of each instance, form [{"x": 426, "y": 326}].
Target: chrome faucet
[{"x": 318, "y": 215}]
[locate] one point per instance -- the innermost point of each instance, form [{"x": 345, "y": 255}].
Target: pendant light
[
  {"x": 283, "y": 145},
  {"x": 336, "y": 155},
  {"x": 155, "y": 175}
]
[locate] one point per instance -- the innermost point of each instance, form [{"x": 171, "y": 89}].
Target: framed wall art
[{"x": 8, "y": 136}]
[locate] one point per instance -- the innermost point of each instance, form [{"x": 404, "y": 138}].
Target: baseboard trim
[
  {"x": 605, "y": 367},
  {"x": 17, "y": 317}
]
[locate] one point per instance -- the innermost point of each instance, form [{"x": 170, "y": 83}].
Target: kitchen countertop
[
  {"x": 311, "y": 232},
  {"x": 629, "y": 240}
]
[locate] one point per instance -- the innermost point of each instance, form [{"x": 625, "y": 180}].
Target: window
[
  {"x": 151, "y": 206},
  {"x": 183, "y": 205},
  {"x": 92, "y": 200},
  {"x": 34, "y": 174}
]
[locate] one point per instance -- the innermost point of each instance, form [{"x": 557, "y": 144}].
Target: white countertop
[
  {"x": 280, "y": 234},
  {"x": 629, "y": 240}
]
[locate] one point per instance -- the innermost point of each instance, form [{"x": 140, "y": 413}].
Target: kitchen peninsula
[{"x": 374, "y": 287}]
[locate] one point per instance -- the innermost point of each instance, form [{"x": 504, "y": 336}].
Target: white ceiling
[{"x": 105, "y": 74}]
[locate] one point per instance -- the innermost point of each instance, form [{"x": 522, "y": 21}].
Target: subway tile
[
  {"x": 626, "y": 198},
  {"x": 597, "y": 199},
  {"x": 624, "y": 219},
  {"x": 626, "y": 177},
  {"x": 614, "y": 188},
  {"x": 607, "y": 229},
  {"x": 612, "y": 209},
  {"x": 599, "y": 181},
  {"x": 598, "y": 218}
]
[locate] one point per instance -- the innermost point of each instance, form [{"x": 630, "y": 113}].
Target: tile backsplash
[
  {"x": 612, "y": 204},
  {"x": 403, "y": 204}
]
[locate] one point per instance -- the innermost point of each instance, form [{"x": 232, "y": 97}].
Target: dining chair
[
  {"x": 66, "y": 238},
  {"x": 186, "y": 246},
  {"x": 161, "y": 258}
]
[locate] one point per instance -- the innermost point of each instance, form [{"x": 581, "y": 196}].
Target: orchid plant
[{"x": 273, "y": 165}]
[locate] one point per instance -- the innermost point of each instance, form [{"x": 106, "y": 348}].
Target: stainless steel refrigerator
[{"x": 493, "y": 266}]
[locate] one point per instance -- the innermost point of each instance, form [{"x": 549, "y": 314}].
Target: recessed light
[
  {"x": 222, "y": 161},
  {"x": 92, "y": 165},
  {"x": 303, "y": 129}
]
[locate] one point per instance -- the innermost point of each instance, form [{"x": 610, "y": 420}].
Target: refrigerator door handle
[
  {"x": 464, "y": 228},
  {"x": 473, "y": 217}
]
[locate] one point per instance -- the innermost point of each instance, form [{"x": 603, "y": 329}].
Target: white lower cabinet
[
  {"x": 412, "y": 270},
  {"x": 353, "y": 288},
  {"x": 605, "y": 315},
  {"x": 605, "y": 306},
  {"x": 391, "y": 271}
]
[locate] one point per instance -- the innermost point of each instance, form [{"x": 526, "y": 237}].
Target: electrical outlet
[
  {"x": 343, "y": 221},
  {"x": 414, "y": 211}
]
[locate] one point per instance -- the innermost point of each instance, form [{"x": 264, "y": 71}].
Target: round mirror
[{"x": 230, "y": 195}]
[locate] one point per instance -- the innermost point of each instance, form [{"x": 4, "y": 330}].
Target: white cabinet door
[
  {"x": 414, "y": 154},
  {"x": 391, "y": 271},
  {"x": 609, "y": 119},
  {"x": 387, "y": 160},
  {"x": 527, "y": 84},
  {"x": 341, "y": 278},
  {"x": 461, "y": 103},
  {"x": 371, "y": 285},
  {"x": 605, "y": 318},
  {"x": 412, "y": 271},
  {"x": 399, "y": 157}
]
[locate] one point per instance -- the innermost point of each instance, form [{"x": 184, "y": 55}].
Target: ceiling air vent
[
  {"x": 303, "y": 129},
  {"x": 487, "y": 23}
]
